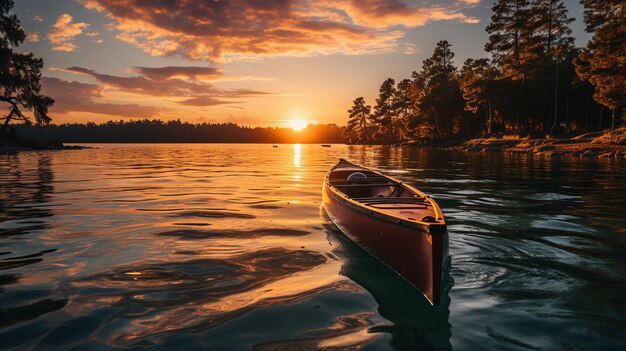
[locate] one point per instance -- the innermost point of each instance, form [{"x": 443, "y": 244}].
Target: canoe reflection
[{"x": 417, "y": 325}]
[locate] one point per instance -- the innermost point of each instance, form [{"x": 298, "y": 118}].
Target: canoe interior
[{"x": 383, "y": 194}]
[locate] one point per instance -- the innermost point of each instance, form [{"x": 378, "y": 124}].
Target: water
[{"x": 225, "y": 247}]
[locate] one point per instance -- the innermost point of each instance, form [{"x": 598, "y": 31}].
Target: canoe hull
[{"x": 416, "y": 255}]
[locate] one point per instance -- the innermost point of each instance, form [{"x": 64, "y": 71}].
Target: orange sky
[{"x": 252, "y": 63}]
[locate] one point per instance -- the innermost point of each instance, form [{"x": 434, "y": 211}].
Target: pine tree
[
  {"x": 476, "y": 82},
  {"x": 553, "y": 27},
  {"x": 384, "y": 111},
  {"x": 606, "y": 55},
  {"x": 508, "y": 40},
  {"x": 19, "y": 73},
  {"x": 359, "y": 116},
  {"x": 553, "y": 35},
  {"x": 441, "y": 96},
  {"x": 403, "y": 106}
]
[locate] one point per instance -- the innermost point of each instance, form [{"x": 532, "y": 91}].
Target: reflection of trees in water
[
  {"x": 23, "y": 190},
  {"x": 24, "y": 187},
  {"x": 416, "y": 324}
]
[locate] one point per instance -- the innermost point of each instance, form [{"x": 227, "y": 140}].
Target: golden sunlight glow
[{"x": 298, "y": 124}]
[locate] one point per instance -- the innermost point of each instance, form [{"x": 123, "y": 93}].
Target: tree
[
  {"x": 556, "y": 43},
  {"x": 403, "y": 106},
  {"x": 508, "y": 40},
  {"x": 476, "y": 80},
  {"x": 19, "y": 73},
  {"x": 358, "y": 129},
  {"x": 553, "y": 27},
  {"x": 439, "y": 92},
  {"x": 604, "y": 63},
  {"x": 384, "y": 111}
]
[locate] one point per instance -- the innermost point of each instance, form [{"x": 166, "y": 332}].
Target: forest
[
  {"x": 157, "y": 131},
  {"x": 535, "y": 83}
]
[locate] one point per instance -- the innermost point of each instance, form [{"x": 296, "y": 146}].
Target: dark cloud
[
  {"x": 79, "y": 97},
  {"x": 145, "y": 86},
  {"x": 205, "y": 101},
  {"x": 164, "y": 82},
  {"x": 164, "y": 73}
]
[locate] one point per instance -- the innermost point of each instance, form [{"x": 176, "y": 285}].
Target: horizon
[{"x": 307, "y": 67}]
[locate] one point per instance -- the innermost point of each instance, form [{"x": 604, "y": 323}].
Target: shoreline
[
  {"x": 13, "y": 144},
  {"x": 586, "y": 145}
]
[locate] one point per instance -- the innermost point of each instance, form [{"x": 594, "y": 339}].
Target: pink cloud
[
  {"x": 222, "y": 30},
  {"x": 33, "y": 37}
]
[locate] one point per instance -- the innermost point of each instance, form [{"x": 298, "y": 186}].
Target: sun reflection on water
[{"x": 296, "y": 155}]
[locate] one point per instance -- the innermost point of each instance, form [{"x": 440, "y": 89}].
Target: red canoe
[{"x": 396, "y": 223}]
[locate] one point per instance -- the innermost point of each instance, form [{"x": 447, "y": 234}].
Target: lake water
[{"x": 225, "y": 247}]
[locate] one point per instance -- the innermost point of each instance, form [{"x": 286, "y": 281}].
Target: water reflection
[
  {"x": 26, "y": 188},
  {"x": 296, "y": 155},
  {"x": 416, "y": 324},
  {"x": 157, "y": 300},
  {"x": 25, "y": 196}
]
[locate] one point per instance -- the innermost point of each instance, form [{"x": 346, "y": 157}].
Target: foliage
[
  {"x": 19, "y": 73},
  {"x": 384, "y": 111},
  {"x": 604, "y": 62},
  {"x": 157, "y": 131},
  {"x": 359, "y": 128}
]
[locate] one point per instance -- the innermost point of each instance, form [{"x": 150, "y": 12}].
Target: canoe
[{"x": 396, "y": 223}]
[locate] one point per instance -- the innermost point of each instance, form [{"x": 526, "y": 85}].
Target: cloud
[
  {"x": 180, "y": 84},
  {"x": 63, "y": 32},
  {"x": 470, "y": 2},
  {"x": 235, "y": 29},
  {"x": 33, "y": 37},
  {"x": 145, "y": 86},
  {"x": 79, "y": 97},
  {"x": 204, "y": 101},
  {"x": 193, "y": 72}
]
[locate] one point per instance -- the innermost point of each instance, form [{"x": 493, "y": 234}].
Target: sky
[{"x": 254, "y": 63}]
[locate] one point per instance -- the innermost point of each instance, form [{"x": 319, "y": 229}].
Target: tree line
[
  {"x": 157, "y": 131},
  {"x": 535, "y": 81}
]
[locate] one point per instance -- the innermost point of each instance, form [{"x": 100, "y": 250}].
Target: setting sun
[{"x": 298, "y": 124}]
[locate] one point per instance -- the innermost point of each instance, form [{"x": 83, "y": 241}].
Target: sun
[{"x": 298, "y": 124}]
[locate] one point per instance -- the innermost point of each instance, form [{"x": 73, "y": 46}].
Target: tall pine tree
[
  {"x": 441, "y": 96},
  {"x": 385, "y": 112},
  {"x": 358, "y": 129},
  {"x": 476, "y": 82},
  {"x": 606, "y": 55}
]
